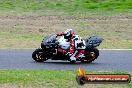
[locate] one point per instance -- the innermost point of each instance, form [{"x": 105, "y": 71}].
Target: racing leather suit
[{"x": 77, "y": 46}]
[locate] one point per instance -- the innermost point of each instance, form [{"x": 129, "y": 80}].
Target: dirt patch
[
  {"x": 38, "y": 17},
  {"x": 25, "y": 28},
  {"x": 14, "y": 86},
  {"x": 33, "y": 23}
]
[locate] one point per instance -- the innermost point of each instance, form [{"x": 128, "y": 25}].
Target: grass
[
  {"x": 23, "y": 24},
  {"x": 27, "y": 31},
  {"x": 72, "y": 6},
  {"x": 50, "y": 78}
]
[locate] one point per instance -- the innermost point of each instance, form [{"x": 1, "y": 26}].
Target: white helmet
[{"x": 68, "y": 34}]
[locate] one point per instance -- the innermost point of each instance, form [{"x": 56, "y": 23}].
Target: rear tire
[
  {"x": 38, "y": 55},
  {"x": 88, "y": 58}
]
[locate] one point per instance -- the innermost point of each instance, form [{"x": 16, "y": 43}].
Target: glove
[{"x": 59, "y": 34}]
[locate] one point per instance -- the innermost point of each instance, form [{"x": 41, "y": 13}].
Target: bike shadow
[{"x": 68, "y": 63}]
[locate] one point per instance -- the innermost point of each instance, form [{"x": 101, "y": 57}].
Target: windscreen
[{"x": 49, "y": 39}]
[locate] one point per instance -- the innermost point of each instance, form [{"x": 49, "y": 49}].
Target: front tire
[
  {"x": 91, "y": 54},
  {"x": 38, "y": 55}
]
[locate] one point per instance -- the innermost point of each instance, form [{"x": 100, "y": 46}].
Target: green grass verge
[
  {"x": 51, "y": 78},
  {"x": 72, "y": 6}
]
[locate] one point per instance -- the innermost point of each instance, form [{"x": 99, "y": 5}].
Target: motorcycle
[{"x": 52, "y": 47}]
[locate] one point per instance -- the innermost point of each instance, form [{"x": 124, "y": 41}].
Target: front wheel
[
  {"x": 38, "y": 55},
  {"x": 90, "y": 55}
]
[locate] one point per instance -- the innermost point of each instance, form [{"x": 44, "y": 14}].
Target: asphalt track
[{"x": 108, "y": 60}]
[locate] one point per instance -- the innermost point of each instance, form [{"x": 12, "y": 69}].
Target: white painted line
[
  {"x": 18, "y": 48},
  {"x": 36, "y": 48},
  {"x": 115, "y": 49}
]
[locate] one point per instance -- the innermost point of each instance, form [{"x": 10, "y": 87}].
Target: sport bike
[{"x": 51, "y": 47}]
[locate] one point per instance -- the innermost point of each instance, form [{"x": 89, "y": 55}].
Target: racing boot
[{"x": 73, "y": 58}]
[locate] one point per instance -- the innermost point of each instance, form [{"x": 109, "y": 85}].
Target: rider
[{"x": 77, "y": 45}]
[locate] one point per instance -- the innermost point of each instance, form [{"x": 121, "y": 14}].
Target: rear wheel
[
  {"x": 38, "y": 55},
  {"x": 91, "y": 54}
]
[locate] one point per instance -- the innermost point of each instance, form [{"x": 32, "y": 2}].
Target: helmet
[{"x": 68, "y": 34}]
